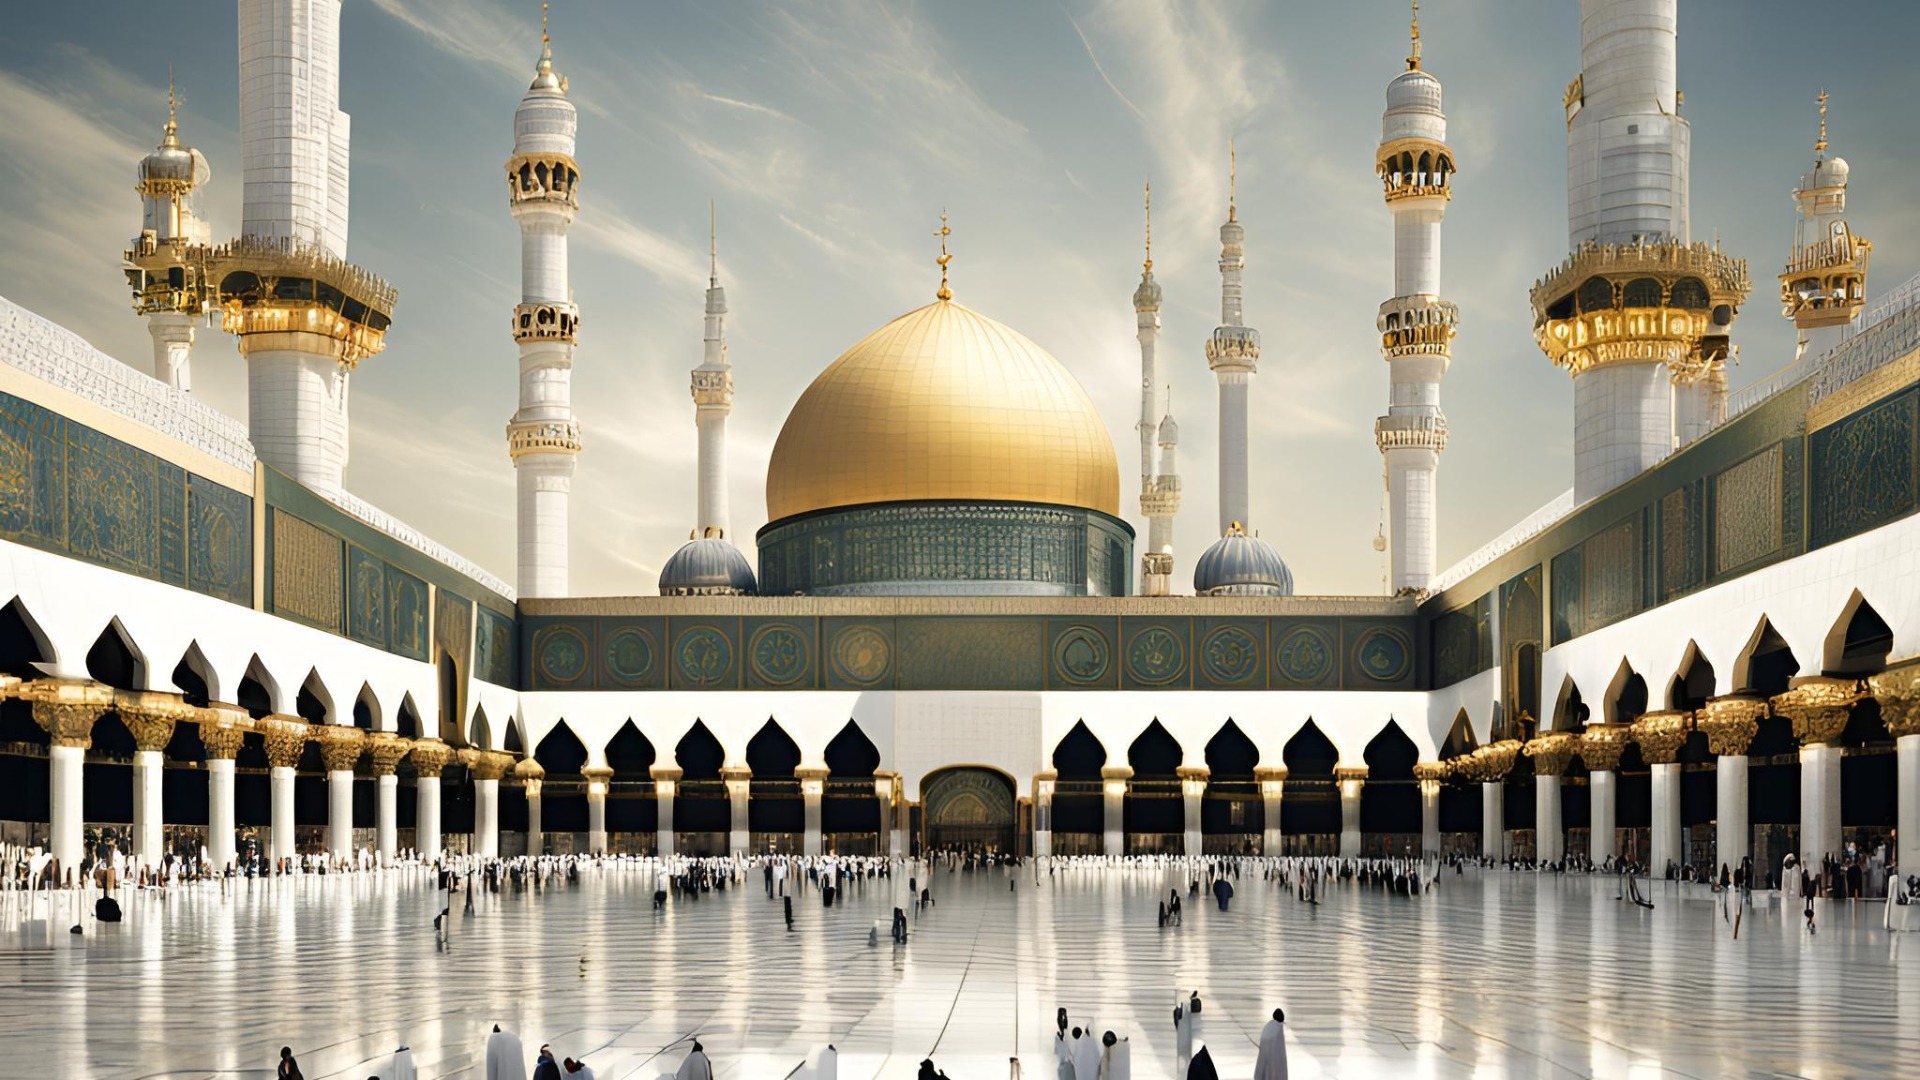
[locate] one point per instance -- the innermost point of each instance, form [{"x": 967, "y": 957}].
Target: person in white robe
[
  {"x": 402, "y": 1067},
  {"x": 696, "y": 1067},
  {"x": 1116, "y": 1058},
  {"x": 1790, "y": 878},
  {"x": 506, "y": 1058},
  {"x": 1086, "y": 1056},
  {"x": 1272, "y": 1062}
]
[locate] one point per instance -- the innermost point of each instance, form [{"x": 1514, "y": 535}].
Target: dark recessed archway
[
  {"x": 630, "y": 754},
  {"x": 409, "y": 719},
  {"x": 190, "y": 675},
  {"x": 1460, "y": 738},
  {"x": 366, "y": 709},
  {"x": 256, "y": 691},
  {"x": 112, "y": 660},
  {"x": 1391, "y": 755},
  {"x": 513, "y": 743},
  {"x": 561, "y": 753},
  {"x": 1155, "y": 755},
  {"x": 1768, "y": 665},
  {"x": 23, "y": 645},
  {"x": 1310, "y": 753},
  {"x": 851, "y": 755},
  {"x": 772, "y": 753},
  {"x": 313, "y": 704},
  {"x": 1079, "y": 756},
  {"x": 1231, "y": 755},
  {"x": 1859, "y": 646},
  {"x": 480, "y": 731},
  {"x": 699, "y": 754},
  {"x": 1693, "y": 685}
]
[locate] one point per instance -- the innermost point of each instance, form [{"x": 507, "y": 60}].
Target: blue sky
[{"x": 831, "y": 134}]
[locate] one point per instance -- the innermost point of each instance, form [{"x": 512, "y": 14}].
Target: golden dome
[{"x": 943, "y": 403}]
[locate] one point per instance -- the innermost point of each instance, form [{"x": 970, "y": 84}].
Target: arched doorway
[{"x": 969, "y": 809}]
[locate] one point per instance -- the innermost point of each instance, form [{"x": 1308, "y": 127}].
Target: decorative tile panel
[
  {"x": 1747, "y": 512},
  {"x": 111, "y": 503},
  {"x": 219, "y": 541},
  {"x": 703, "y": 655},
  {"x": 1155, "y": 653},
  {"x": 1230, "y": 654},
  {"x": 307, "y": 572},
  {"x": 971, "y": 653},
  {"x": 406, "y": 614},
  {"x": 366, "y": 598},
  {"x": 493, "y": 647},
  {"x": 1306, "y": 655},
  {"x": 1862, "y": 470},
  {"x": 1081, "y": 656},
  {"x": 781, "y": 653},
  {"x": 1613, "y": 588}
]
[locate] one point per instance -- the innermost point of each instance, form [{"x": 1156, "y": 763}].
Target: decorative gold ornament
[
  {"x": 67, "y": 708},
  {"x": 340, "y": 746},
  {"x": 1818, "y": 707},
  {"x": 1731, "y": 722},
  {"x": 1430, "y": 771},
  {"x": 945, "y": 293},
  {"x": 1661, "y": 735},
  {"x": 285, "y": 738},
  {"x": 430, "y": 756},
  {"x": 486, "y": 764},
  {"x": 281, "y": 294},
  {"x": 223, "y": 729},
  {"x": 150, "y": 717},
  {"x": 384, "y": 751},
  {"x": 1898, "y": 692},
  {"x": 1661, "y": 303},
  {"x": 1552, "y": 752},
  {"x": 1601, "y": 746}
]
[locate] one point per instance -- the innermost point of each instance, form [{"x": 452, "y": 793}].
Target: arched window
[
  {"x": 1642, "y": 292},
  {"x": 1690, "y": 293},
  {"x": 1596, "y": 294}
]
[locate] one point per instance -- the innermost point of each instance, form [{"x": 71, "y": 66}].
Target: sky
[{"x": 831, "y": 134}]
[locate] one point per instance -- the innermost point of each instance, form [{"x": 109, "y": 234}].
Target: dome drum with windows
[{"x": 944, "y": 454}]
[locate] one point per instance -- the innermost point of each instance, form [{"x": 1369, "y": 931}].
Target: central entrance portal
[{"x": 969, "y": 809}]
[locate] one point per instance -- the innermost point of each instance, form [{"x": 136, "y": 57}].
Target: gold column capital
[
  {"x": 528, "y": 769},
  {"x": 150, "y": 716},
  {"x": 67, "y": 708},
  {"x": 1193, "y": 772},
  {"x": 223, "y": 728},
  {"x": 340, "y": 746},
  {"x": 1344, "y": 773},
  {"x": 1661, "y": 734},
  {"x": 1819, "y": 707},
  {"x": 1552, "y": 752},
  {"x": 1731, "y": 722},
  {"x": 1898, "y": 692},
  {"x": 1495, "y": 760},
  {"x": 384, "y": 751},
  {"x": 1434, "y": 771},
  {"x": 597, "y": 774},
  {"x": 1601, "y": 746},
  {"x": 430, "y": 756},
  {"x": 285, "y": 738},
  {"x": 486, "y": 764}
]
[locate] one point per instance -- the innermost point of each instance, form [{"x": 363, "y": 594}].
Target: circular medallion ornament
[
  {"x": 1080, "y": 655},
  {"x": 1304, "y": 655},
  {"x": 1229, "y": 654},
  {"x": 1383, "y": 656},
  {"x": 1155, "y": 656},
  {"x": 780, "y": 655},
  {"x": 629, "y": 654},
  {"x": 860, "y": 655},
  {"x": 703, "y": 656},
  {"x": 563, "y": 653}
]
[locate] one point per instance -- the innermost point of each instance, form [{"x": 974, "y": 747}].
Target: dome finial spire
[
  {"x": 173, "y": 111},
  {"x": 1233, "y": 182},
  {"x": 713, "y": 243},
  {"x": 1147, "y": 266},
  {"x": 1820, "y": 144},
  {"x": 945, "y": 293},
  {"x": 546, "y": 44},
  {"x": 1413, "y": 57}
]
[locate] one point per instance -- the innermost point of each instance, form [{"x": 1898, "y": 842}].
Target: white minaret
[
  {"x": 166, "y": 264},
  {"x": 1159, "y": 486},
  {"x": 543, "y": 438},
  {"x": 305, "y": 317},
  {"x": 1637, "y": 312},
  {"x": 1233, "y": 353},
  {"x": 1824, "y": 285},
  {"x": 713, "y": 400},
  {"x": 1416, "y": 326}
]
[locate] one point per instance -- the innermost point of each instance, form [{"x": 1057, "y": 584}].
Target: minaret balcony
[
  {"x": 1162, "y": 500},
  {"x": 1661, "y": 303},
  {"x": 1825, "y": 283},
  {"x": 1420, "y": 325},
  {"x": 1233, "y": 348},
  {"x": 546, "y": 322},
  {"x": 713, "y": 387},
  {"x": 542, "y": 437},
  {"x": 1425, "y": 432},
  {"x": 1415, "y": 168},
  {"x": 282, "y": 294},
  {"x": 168, "y": 275},
  {"x": 543, "y": 178}
]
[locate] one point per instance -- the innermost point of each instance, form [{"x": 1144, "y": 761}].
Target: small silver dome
[
  {"x": 1147, "y": 296},
  {"x": 708, "y": 566},
  {"x": 1169, "y": 431},
  {"x": 1415, "y": 90},
  {"x": 1241, "y": 565},
  {"x": 171, "y": 161}
]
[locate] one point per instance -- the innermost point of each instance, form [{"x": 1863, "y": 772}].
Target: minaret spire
[
  {"x": 945, "y": 292},
  {"x": 543, "y": 438},
  {"x": 1413, "y": 55},
  {"x": 1159, "y": 488},
  {"x": 1233, "y": 354},
  {"x": 168, "y": 263},
  {"x": 713, "y": 402},
  {"x": 1824, "y": 284}
]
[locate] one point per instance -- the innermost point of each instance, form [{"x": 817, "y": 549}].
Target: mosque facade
[{"x": 951, "y": 632}]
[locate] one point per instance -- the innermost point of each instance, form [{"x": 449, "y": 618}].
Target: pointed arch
[
  {"x": 24, "y": 646},
  {"x": 513, "y": 743},
  {"x": 1079, "y": 755},
  {"x": 1570, "y": 712},
  {"x": 1859, "y": 641},
  {"x": 699, "y": 754},
  {"x": 115, "y": 660},
  {"x": 630, "y": 753},
  {"x": 313, "y": 703},
  {"x": 366, "y": 709},
  {"x": 1391, "y": 754},
  {"x": 1693, "y": 684},
  {"x": 1626, "y": 698},
  {"x": 480, "y": 731},
  {"x": 1310, "y": 753},
  {"x": 1766, "y": 664},
  {"x": 1155, "y": 754},
  {"x": 772, "y": 753},
  {"x": 1231, "y": 755},
  {"x": 407, "y": 719},
  {"x": 1460, "y": 739},
  {"x": 195, "y": 677},
  {"x": 561, "y": 752},
  {"x": 851, "y": 754},
  {"x": 258, "y": 692}
]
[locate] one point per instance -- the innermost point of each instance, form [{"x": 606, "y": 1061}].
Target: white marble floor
[{"x": 1495, "y": 974}]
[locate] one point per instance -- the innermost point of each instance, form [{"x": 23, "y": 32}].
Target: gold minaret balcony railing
[
  {"x": 1664, "y": 303},
  {"x": 281, "y": 294}
]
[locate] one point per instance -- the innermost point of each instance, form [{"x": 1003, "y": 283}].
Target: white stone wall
[
  {"x": 1413, "y": 491},
  {"x": 1233, "y": 448},
  {"x": 1627, "y": 147},
  {"x": 1622, "y": 425},
  {"x": 293, "y": 136}
]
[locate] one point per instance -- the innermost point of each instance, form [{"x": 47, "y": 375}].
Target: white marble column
[
  {"x": 536, "y": 835},
  {"x": 386, "y": 823},
  {"x": 150, "y": 718},
  {"x": 1350, "y": 781},
  {"x": 340, "y": 813},
  {"x": 886, "y": 788},
  {"x": 1549, "y": 833},
  {"x": 148, "y": 847},
  {"x": 598, "y": 780},
  {"x": 1429, "y": 774},
  {"x": 1898, "y": 692},
  {"x": 66, "y": 710},
  {"x": 1493, "y": 819},
  {"x": 1193, "y": 789},
  {"x": 1819, "y": 804},
  {"x": 1730, "y": 724},
  {"x": 1043, "y": 813},
  {"x": 280, "y": 831},
  {"x": 739, "y": 781},
  {"x": 221, "y": 734},
  {"x": 1273, "y": 785},
  {"x": 813, "y": 787},
  {"x": 1113, "y": 796},
  {"x": 1907, "y": 811},
  {"x": 426, "y": 816},
  {"x": 1603, "y": 795},
  {"x": 666, "y": 779},
  {"x": 486, "y": 817},
  {"x": 1667, "y": 843},
  {"x": 66, "y": 824}
]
